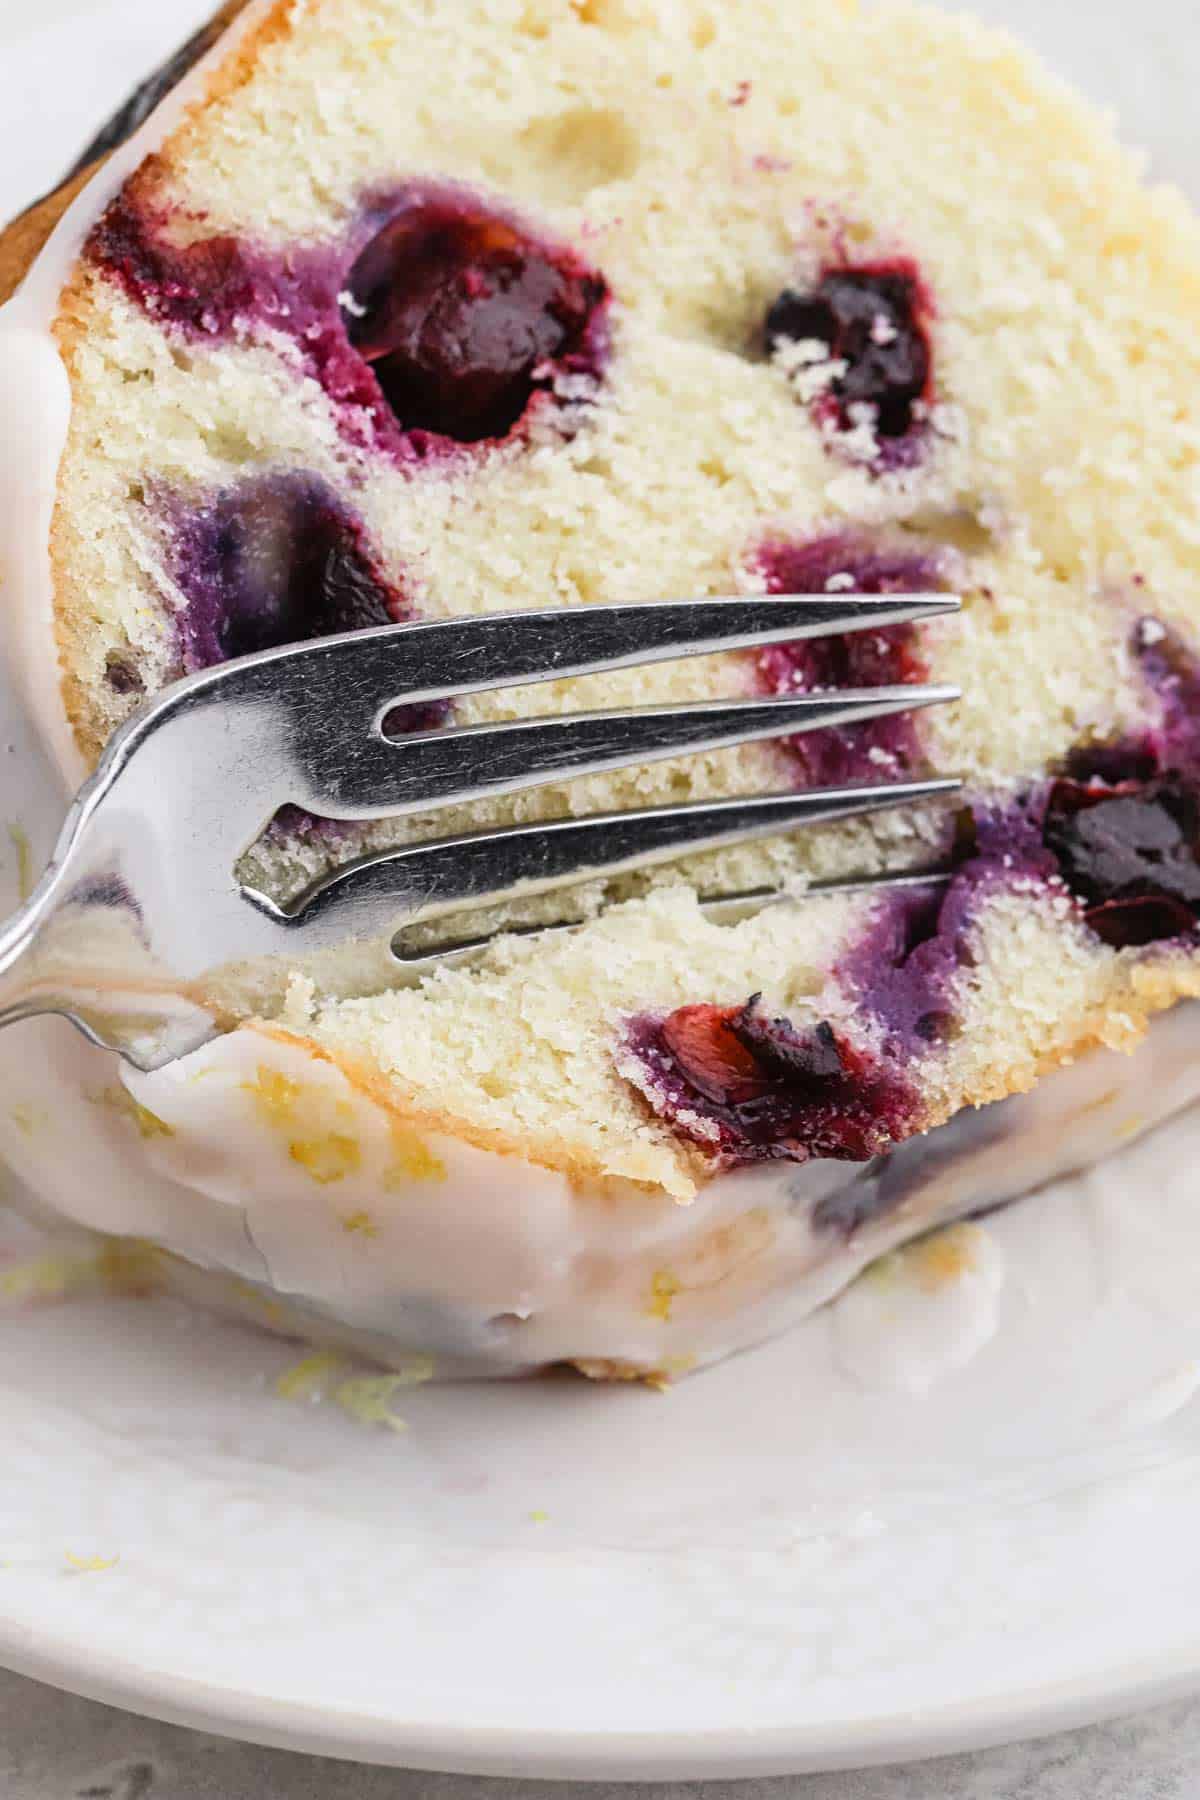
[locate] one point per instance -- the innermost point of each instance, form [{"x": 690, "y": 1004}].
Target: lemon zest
[
  {"x": 944, "y": 1257},
  {"x": 26, "y": 1119},
  {"x": 129, "y": 1266},
  {"x": 941, "y": 1256},
  {"x": 368, "y": 1399},
  {"x": 92, "y": 1565},
  {"x": 412, "y": 1160},
  {"x": 360, "y": 1224},
  {"x": 19, "y": 839},
  {"x": 271, "y": 1310},
  {"x": 275, "y": 1094},
  {"x": 120, "y": 1100},
  {"x": 328, "y": 1158},
  {"x": 49, "y": 1277},
  {"x": 663, "y": 1290},
  {"x": 306, "y": 1379}
]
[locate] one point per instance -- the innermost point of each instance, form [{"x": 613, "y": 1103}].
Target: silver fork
[{"x": 140, "y": 900}]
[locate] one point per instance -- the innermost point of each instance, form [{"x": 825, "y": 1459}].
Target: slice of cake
[{"x": 400, "y": 311}]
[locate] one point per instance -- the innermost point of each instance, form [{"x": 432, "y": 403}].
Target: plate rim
[{"x": 1010, "y": 1716}]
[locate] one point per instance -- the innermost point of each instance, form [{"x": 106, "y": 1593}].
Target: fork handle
[{"x": 76, "y": 949}]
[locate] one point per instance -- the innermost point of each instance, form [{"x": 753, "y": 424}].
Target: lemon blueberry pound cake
[{"x": 414, "y": 310}]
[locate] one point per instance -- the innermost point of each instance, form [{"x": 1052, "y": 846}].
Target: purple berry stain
[
  {"x": 464, "y": 318},
  {"x": 280, "y": 559},
  {"x": 436, "y": 320},
  {"x": 1123, "y": 820},
  {"x": 1130, "y": 852},
  {"x": 748, "y": 1087},
  {"x": 277, "y": 560},
  {"x": 905, "y": 969},
  {"x": 1119, "y": 829},
  {"x": 879, "y": 749},
  {"x": 873, "y": 322}
]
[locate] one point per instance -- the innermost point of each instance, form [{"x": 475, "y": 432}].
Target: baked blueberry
[
  {"x": 277, "y": 560},
  {"x": 463, "y": 317},
  {"x": 870, "y": 321},
  {"x": 1131, "y": 853}
]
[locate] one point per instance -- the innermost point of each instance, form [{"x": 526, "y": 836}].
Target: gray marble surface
[{"x": 56, "y": 1747}]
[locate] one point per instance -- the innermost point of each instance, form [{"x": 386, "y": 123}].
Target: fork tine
[
  {"x": 385, "y": 892},
  {"x": 411, "y": 774},
  {"x": 367, "y": 672}
]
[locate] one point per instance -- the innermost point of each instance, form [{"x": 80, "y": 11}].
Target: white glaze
[
  {"x": 920, "y": 1312},
  {"x": 264, "y": 1164}
]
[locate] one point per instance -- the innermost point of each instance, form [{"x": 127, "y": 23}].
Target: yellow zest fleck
[
  {"x": 360, "y": 1224},
  {"x": 49, "y": 1277},
  {"x": 19, "y": 838},
  {"x": 415, "y": 1371},
  {"x": 663, "y": 1290},
  {"x": 883, "y": 1271},
  {"x": 412, "y": 1160},
  {"x": 662, "y": 1379},
  {"x": 92, "y": 1565},
  {"x": 270, "y": 1309},
  {"x": 328, "y": 1158},
  {"x": 368, "y": 1399},
  {"x": 946, "y": 1256},
  {"x": 306, "y": 1379},
  {"x": 275, "y": 1095},
  {"x": 539, "y": 1518},
  {"x": 932, "y": 1262},
  {"x": 26, "y": 1119},
  {"x": 148, "y": 1123},
  {"x": 130, "y": 1266},
  {"x": 120, "y": 1100}
]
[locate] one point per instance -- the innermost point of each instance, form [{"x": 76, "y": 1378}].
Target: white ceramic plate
[{"x": 797, "y": 1560}]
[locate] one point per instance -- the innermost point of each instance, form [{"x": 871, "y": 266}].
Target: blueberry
[
  {"x": 459, "y": 314},
  {"x": 1131, "y": 853},
  {"x": 754, "y": 1087},
  {"x": 870, "y": 320},
  {"x": 277, "y": 560}
]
